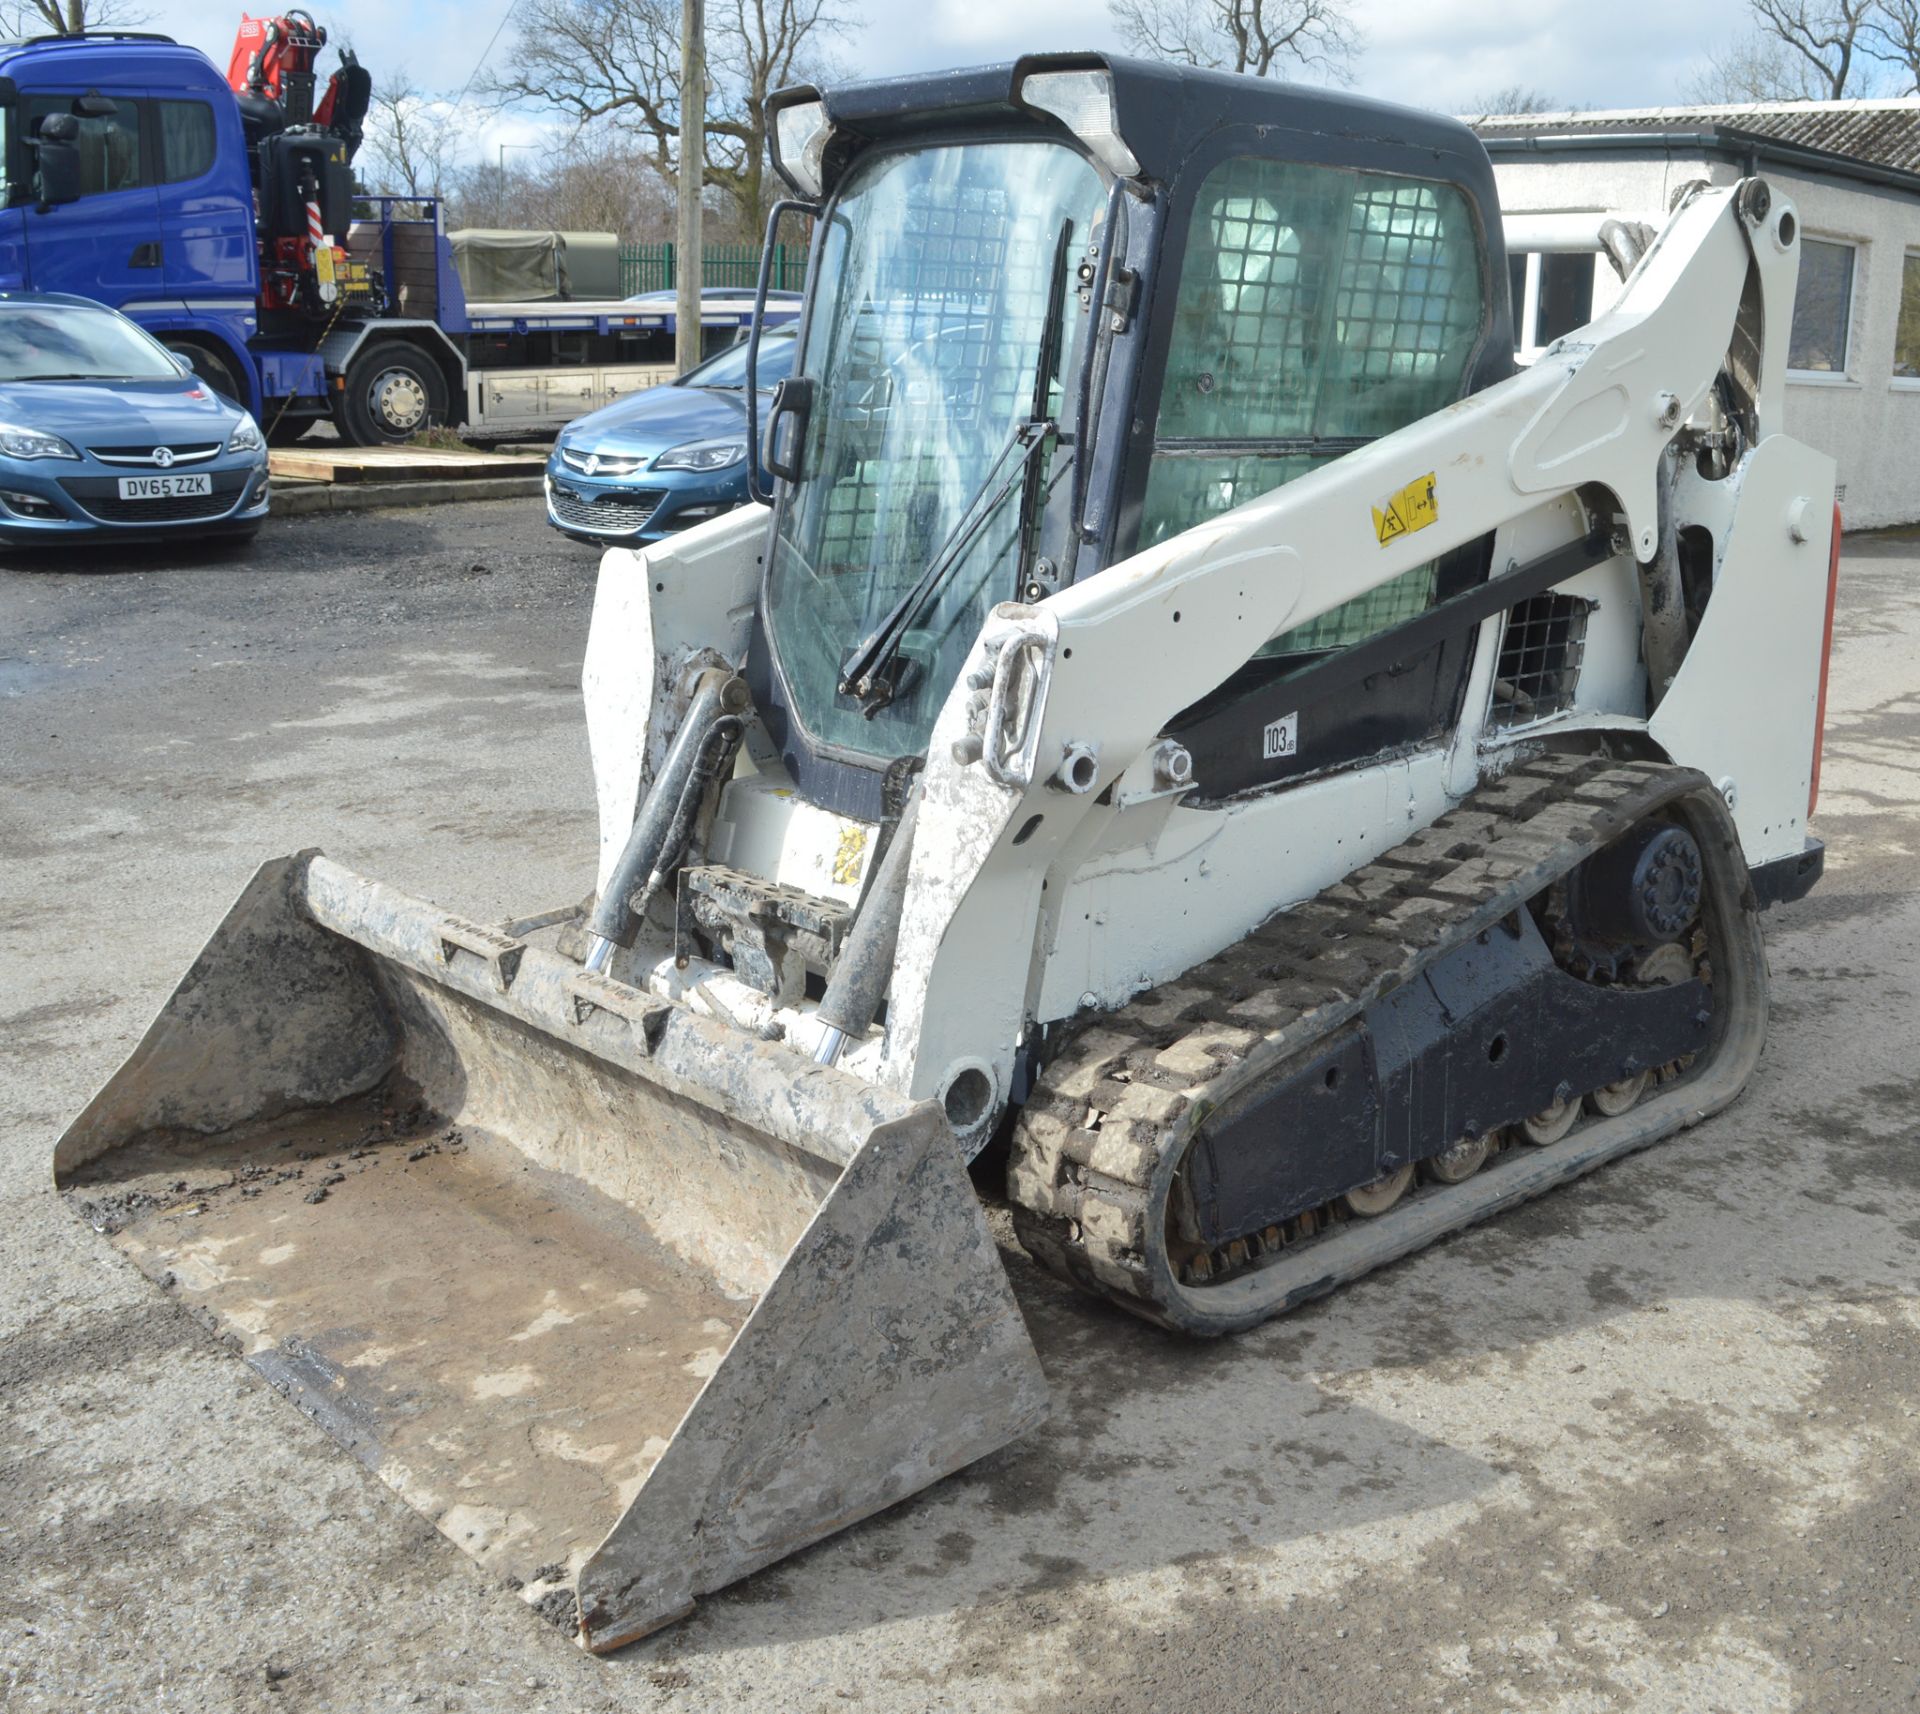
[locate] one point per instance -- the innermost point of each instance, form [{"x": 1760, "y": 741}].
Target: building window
[
  {"x": 1906, "y": 333},
  {"x": 1553, "y": 295},
  {"x": 1822, "y": 308}
]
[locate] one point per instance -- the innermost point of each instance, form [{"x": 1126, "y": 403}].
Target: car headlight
[
  {"x": 702, "y": 455},
  {"x": 246, "y": 437},
  {"x": 17, "y": 442}
]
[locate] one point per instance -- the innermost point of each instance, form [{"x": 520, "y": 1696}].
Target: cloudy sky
[{"x": 1439, "y": 53}]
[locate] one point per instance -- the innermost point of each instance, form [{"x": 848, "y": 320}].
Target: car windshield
[
  {"x": 729, "y": 369},
  {"x": 68, "y": 342},
  {"x": 938, "y": 277}
]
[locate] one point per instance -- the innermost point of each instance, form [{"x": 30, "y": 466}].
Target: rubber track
[{"x": 1139, "y": 1081}]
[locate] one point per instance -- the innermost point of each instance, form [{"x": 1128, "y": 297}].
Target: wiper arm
[{"x": 864, "y": 672}]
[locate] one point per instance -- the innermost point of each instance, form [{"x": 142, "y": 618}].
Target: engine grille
[
  {"x": 99, "y": 497},
  {"x": 604, "y": 463},
  {"x": 611, "y": 514},
  {"x": 1540, "y": 657},
  {"x": 197, "y": 453}
]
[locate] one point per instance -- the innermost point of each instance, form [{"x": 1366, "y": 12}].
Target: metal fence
[{"x": 650, "y": 267}]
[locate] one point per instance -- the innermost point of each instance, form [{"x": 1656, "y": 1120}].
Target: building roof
[{"x": 1884, "y": 133}]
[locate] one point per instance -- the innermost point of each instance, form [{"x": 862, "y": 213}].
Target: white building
[{"x": 1853, "y": 170}]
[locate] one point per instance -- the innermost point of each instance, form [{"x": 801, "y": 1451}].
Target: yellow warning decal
[
  {"x": 852, "y": 852},
  {"x": 1413, "y": 508}
]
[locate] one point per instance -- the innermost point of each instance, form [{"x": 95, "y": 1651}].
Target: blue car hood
[
  {"x": 118, "y": 413},
  {"x": 650, "y": 422}
]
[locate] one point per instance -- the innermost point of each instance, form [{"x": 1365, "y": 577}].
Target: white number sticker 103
[{"x": 1281, "y": 738}]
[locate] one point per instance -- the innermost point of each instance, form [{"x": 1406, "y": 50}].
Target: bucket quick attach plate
[{"x": 627, "y": 1304}]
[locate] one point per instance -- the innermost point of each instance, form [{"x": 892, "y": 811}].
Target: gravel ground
[{"x": 1647, "y": 1445}]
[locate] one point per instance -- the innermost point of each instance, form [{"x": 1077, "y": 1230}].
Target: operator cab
[{"x": 1065, "y": 309}]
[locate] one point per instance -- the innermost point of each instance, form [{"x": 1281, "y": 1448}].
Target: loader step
[
  {"x": 1119, "y": 1128},
  {"x": 509, "y": 1348}
]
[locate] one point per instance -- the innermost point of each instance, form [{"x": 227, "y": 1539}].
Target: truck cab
[{"x": 161, "y": 224}]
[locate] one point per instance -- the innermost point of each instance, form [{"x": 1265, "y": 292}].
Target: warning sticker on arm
[{"x": 1412, "y": 508}]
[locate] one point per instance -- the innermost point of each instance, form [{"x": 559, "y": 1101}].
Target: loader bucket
[{"x": 627, "y": 1303}]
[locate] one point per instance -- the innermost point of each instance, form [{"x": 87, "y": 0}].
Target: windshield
[
  {"x": 729, "y": 369},
  {"x": 932, "y": 296},
  {"x": 60, "y": 342}
]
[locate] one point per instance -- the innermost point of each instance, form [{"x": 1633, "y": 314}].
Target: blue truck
[{"x": 222, "y": 214}]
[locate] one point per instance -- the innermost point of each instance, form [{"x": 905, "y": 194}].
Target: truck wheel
[
  {"x": 216, "y": 370},
  {"x": 393, "y": 391}
]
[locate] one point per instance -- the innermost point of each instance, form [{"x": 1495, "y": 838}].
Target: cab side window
[
  {"x": 1318, "y": 308},
  {"x": 111, "y": 157},
  {"x": 186, "y": 140}
]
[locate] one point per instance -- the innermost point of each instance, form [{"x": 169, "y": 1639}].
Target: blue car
[
  {"x": 106, "y": 433},
  {"x": 665, "y": 459}
]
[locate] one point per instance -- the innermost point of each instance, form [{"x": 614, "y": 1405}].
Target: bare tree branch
[
  {"x": 1824, "y": 35},
  {"x": 603, "y": 181},
  {"x": 1251, "y": 36},
  {"x": 1514, "y": 98},
  {"x": 410, "y": 138},
  {"x": 1892, "y": 38},
  {"x": 65, "y": 17},
  {"x": 618, "y": 61}
]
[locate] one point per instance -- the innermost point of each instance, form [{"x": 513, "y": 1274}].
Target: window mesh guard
[
  {"x": 953, "y": 335},
  {"x": 1540, "y": 657}
]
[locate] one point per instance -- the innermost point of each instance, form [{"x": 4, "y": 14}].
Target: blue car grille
[
  {"x": 604, "y": 463},
  {"x": 99, "y": 497},
  {"x": 196, "y": 452},
  {"x": 611, "y": 514}
]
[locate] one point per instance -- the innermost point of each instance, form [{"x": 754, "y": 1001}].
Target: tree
[
  {"x": 1252, "y": 36},
  {"x": 1823, "y": 35},
  {"x": 1893, "y": 39},
  {"x": 1752, "y": 67},
  {"x": 63, "y": 17},
  {"x": 410, "y": 137},
  {"x": 599, "y": 181},
  {"x": 617, "y": 61},
  {"x": 1514, "y": 98},
  {"x": 1798, "y": 50}
]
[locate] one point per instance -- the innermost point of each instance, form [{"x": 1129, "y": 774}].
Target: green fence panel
[{"x": 650, "y": 267}]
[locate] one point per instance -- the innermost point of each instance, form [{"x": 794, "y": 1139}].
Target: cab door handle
[{"x": 145, "y": 255}]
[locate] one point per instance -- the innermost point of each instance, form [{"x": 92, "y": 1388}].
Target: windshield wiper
[{"x": 871, "y": 672}]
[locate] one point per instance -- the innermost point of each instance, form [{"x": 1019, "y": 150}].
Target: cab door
[
  {"x": 107, "y": 245},
  {"x": 1319, "y": 308},
  {"x": 205, "y": 201}
]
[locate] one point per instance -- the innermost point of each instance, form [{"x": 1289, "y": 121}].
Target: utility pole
[{"x": 693, "y": 157}]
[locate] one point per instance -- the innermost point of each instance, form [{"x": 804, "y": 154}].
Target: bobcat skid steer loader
[{"x": 1190, "y": 715}]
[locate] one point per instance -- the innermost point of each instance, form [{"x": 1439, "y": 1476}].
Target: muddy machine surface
[{"x": 1194, "y": 734}]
